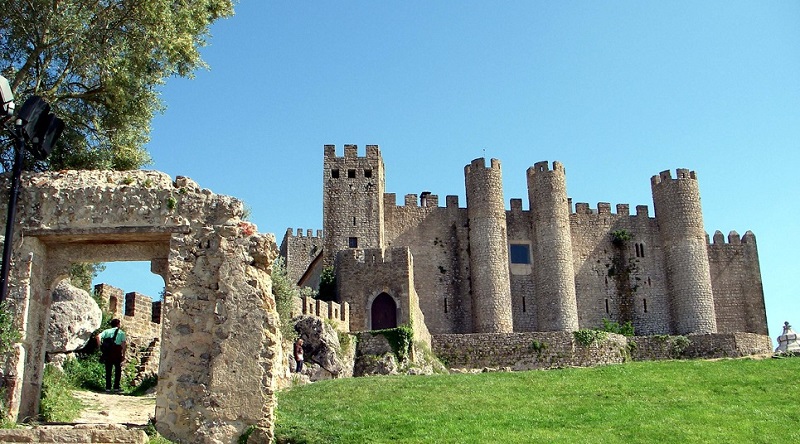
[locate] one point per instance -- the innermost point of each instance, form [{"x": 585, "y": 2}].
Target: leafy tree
[
  {"x": 99, "y": 63},
  {"x": 327, "y": 285},
  {"x": 285, "y": 292},
  {"x": 81, "y": 275}
]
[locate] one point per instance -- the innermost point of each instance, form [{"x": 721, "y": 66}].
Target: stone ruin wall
[{"x": 221, "y": 340}]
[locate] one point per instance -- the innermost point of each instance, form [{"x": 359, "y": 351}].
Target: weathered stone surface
[
  {"x": 787, "y": 341},
  {"x": 74, "y": 315},
  {"x": 220, "y": 335},
  {"x": 372, "y": 365},
  {"x": 322, "y": 351},
  {"x": 82, "y": 434}
]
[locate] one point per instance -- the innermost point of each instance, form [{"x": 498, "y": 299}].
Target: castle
[{"x": 448, "y": 269}]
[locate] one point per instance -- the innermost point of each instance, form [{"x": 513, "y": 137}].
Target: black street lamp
[{"x": 38, "y": 129}]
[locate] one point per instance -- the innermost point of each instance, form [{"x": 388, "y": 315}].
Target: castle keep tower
[
  {"x": 488, "y": 244},
  {"x": 680, "y": 220},
  {"x": 352, "y": 203},
  {"x": 554, "y": 275}
]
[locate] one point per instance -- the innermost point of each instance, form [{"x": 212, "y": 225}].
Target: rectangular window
[
  {"x": 367, "y": 173},
  {"x": 352, "y": 242},
  {"x": 335, "y": 174},
  {"x": 351, "y": 174},
  {"x": 519, "y": 253}
]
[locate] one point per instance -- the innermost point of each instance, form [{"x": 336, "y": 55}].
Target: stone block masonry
[
  {"x": 220, "y": 338},
  {"x": 484, "y": 268}
]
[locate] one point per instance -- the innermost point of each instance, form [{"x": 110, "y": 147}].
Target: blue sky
[{"x": 617, "y": 91}]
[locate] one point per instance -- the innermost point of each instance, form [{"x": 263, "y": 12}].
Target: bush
[
  {"x": 625, "y": 329},
  {"x": 58, "y": 404},
  {"x": 87, "y": 372}
]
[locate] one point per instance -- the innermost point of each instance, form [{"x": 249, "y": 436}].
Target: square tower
[{"x": 352, "y": 202}]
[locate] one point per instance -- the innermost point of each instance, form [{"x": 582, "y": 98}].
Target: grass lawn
[{"x": 725, "y": 401}]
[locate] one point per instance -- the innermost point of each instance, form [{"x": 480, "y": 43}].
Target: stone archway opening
[
  {"x": 220, "y": 339},
  {"x": 383, "y": 312}
]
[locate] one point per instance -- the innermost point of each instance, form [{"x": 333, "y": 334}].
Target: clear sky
[{"x": 617, "y": 91}]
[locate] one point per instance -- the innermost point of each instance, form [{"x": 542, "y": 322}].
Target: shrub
[
  {"x": 587, "y": 337},
  {"x": 625, "y": 329},
  {"x": 57, "y": 404}
]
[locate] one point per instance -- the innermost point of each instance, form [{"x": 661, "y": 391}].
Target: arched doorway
[{"x": 384, "y": 312}]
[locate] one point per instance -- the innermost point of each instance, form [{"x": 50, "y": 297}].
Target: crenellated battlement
[
  {"x": 666, "y": 176},
  {"x": 351, "y": 151},
  {"x": 733, "y": 238},
  {"x": 544, "y": 166},
  {"x": 480, "y": 164},
  {"x": 418, "y": 201},
  {"x": 309, "y": 233},
  {"x": 605, "y": 208}
]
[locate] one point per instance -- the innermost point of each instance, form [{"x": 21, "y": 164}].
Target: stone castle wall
[
  {"x": 544, "y": 350},
  {"x": 736, "y": 282},
  {"x": 665, "y": 277},
  {"x": 338, "y": 314},
  {"x": 300, "y": 251}
]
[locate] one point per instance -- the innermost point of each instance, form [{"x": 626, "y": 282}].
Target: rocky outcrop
[
  {"x": 324, "y": 355},
  {"x": 74, "y": 315}
]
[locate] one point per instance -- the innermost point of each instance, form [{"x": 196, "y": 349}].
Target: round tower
[
  {"x": 554, "y": 275},
  {"x": 683, "y": 238},
  {"x": 488, "y": 248}
]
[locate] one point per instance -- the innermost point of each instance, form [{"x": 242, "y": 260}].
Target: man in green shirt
[{"x": 113, "y": 344}]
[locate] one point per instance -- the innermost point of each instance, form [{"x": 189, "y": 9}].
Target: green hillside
[{"x": 725, "y": 401}]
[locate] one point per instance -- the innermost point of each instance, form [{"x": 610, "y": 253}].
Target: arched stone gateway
[
  {"x": 383, "y": 312},
  {"x": 220, "y": 342}
]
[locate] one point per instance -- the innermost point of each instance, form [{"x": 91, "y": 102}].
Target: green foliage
[
  {"x": 100, "y": 65},
  {"x": 669, "y": 402},
  {"x": 146, "y": 384},
  {"x": 538, "y": 346},
  {"x": 327, "y": 285},
  {"x": 246, "y": 435},
  {"x": 9, "y": 335},
  {"x": 152, "y": 433},
  {"x": 87, "y": 372},
  {"x": 171, "y": 203},
  {"x": 619, "y": 237},
  {"x": 285, "y": 292},
  {"x": 587, "y": 337},
  {"x": 400, "y": 339},
  {"x": 58, "y": 404},
  {"x": 626, "y": 329},
  {"x": 82, "y": 274}
]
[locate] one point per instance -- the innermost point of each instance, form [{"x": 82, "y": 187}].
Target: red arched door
[{"x": 384, "y": 312}]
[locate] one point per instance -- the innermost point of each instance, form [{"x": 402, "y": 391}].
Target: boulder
[
  {"x": 322, "y": 352},
  {"x": 370, "y": 365},
  {"x": 74, "y": 315}
]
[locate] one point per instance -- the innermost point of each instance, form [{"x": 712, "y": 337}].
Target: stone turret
[
  {"x": 352, "y": 204},
  {"x": 680, "y": 221},
  {"x": 554, "y": 274},
  {"x": 488, "y": 258}
]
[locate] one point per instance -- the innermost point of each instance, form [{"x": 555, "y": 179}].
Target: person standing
[
  {"x": 298, "y": 355},
  {"x": 113, "y": 344}
]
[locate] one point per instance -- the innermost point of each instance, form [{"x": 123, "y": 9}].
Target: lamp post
[{"x": 38, "y": 126}]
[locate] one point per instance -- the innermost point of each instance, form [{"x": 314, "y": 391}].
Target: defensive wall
[
  {"x": 543, "y": 350},
  {"x": 338, "y": 314},
  {"x": 664, "y": 276}
]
